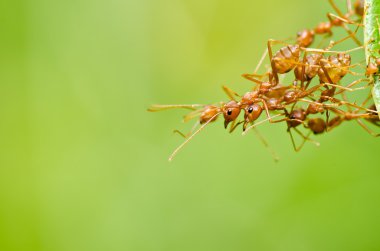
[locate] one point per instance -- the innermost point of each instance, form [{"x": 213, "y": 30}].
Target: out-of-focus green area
[{"x": 83, "y": 166}]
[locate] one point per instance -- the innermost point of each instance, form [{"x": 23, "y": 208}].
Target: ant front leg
[
  {"x": 337, "y": 10},
  {"x": 187, "y": 134},
  {"x": 251, "y": 77},
  {"x": 270, "y": 52},
  {"x": 234, "y": 125},
  {"x": 265, "y": 143},
  {"x": 261, "y": 60},
  {"x": 303, "y": 70},
  {"x": 305, "y": 138}
]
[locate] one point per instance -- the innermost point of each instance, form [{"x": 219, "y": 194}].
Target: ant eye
[
  {"x": 229, "y": 112},
  {"x": 250, "y": 109}
]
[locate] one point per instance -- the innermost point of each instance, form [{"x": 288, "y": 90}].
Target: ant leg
[
  {"x": 306, "y": 137},
  {"x": 327, "y": 120},
  {"x": 344, "y": 19},
  {"x": 234, "y": 125},
  {"x": 189, "y": 133},
  {"x": 303, "y": 69},
  {"x": 348, "y": 105},
  {"x": 266, "y": 109},
  {"x": 180, "y": 133},
  {"x": 348, "y": 87},
  {"x": 263, "y": 121},
  {"x": 367, "y": 129},
  {"x": 292, "y": 139},
  {"x": 230, "y": 93},
  {"x": 349, "y": 7},
  {"x": 337, "y": 10},
  {"x": 192, "y": 136},
  {"x": 251, "y": 78},
  {"x": 367, "y": 99},
  {"x": 323, "y": 40},
  {"x": 336, "y": 102},
  {"x": 274, "y": 70},
  {"x": 336, "y": 121},
  {"x": 261, "y": 60},
  {"x": 351, "y": 35},
  {"x": 332, "y": 52},
  {"x": 192, "y": 115},
  {"x": 265, "y": 143},
  {"x": 343, "y": 88}
]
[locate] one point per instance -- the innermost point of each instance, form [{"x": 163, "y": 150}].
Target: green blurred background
[{"x": 84, "y": 166}]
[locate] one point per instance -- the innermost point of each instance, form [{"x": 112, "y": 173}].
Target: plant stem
[{"x": 372, "y": 43}]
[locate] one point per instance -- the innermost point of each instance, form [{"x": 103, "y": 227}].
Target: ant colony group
[{"x": 318, "y": 106}]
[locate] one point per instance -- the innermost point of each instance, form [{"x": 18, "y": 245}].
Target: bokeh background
[{"x": 83, "y": 166}]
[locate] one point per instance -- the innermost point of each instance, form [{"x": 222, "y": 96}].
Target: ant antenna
[
  {"x": 191, "y": 136},
  {"x": 157, "y": 108}
]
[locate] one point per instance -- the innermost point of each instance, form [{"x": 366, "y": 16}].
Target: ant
[{"x": 306, "y": 37}]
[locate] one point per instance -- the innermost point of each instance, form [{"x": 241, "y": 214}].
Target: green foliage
[{"x": 372, "y": 42}]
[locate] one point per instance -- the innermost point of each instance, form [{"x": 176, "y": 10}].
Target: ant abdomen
[
  {"x": 286, "y": 58},
  {"x": 334, "y": 67},
  {"x": 310, "y": 68},
  {"x": 317, "y": 125},
  {"x": 209, "y": 113}
]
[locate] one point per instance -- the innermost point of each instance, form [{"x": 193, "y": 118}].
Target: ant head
[
  {"x": 251, "y": 113},
  {"x": 371, "y": 69},
  {"x": 296, "y": 117},
  {"x": 305, "y": 38},
  {"x": 231, "y": 111},
  {"x": 317, "y": 125},
  {"x": 208, "y": 113},
  {"x": 359, "y": 7}
]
